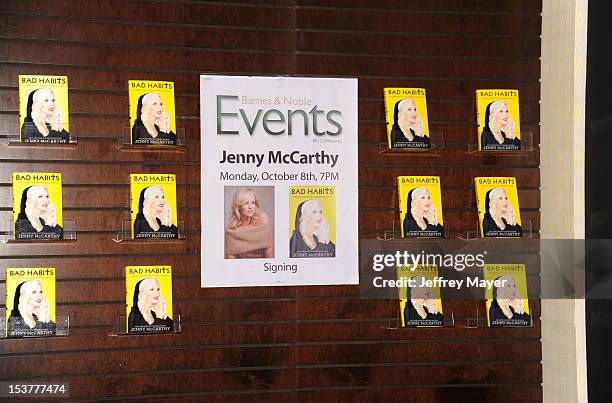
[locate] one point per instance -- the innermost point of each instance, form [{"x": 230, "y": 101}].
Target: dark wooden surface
[{"x": 257, "y": 344}]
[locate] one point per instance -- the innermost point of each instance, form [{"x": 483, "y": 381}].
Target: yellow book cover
[
  {"x": 406, "y": 115},
  {"x": 152, "y": 117},
  {"x": 30, "y": 302},
  {"x": 420, "y": 203},
  {"x": 153, "y": 206},
  {"x": 43, "y": 109},
  {"x": 499, "y": 126},
  {"x": 498, "y": 207},
  {"x": 420, "y": 301},
  {"x": 312, "y": 221},
  {"x": 506, "y": 299},
  {"x": 37, "y": 205},
  {"x": 148, "y": 299}
]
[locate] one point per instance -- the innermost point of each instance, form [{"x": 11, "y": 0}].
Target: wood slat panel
[
  {"x": 447, "y": 352},
  {"x": 107, "y": 313},
  {"x": 262, "y": 343},
  {"x": 169, "y": 12},
  {"x": 98, "y": 150},
  {"x": 342, "y": 331},
  {"x": 226, "y": 335},
  {"x": 170, "y": 384},
  {"x": 113, "y": 80},
  {"x": 389, "y": 67},
  {"x": 188, "y": 105},
  {"x": 376, "y": 154},
  {"x": 123, "y": 58},
  {"x": 101, "y": 244},
  {"x": 421, "y": 23},
  {"x": 132, "y": 33},
  {"x": 462, "y": 6},
  {"x": 402, "y": 46},
  {"x": 216, "y": 338},
  {"x": 421, "y": 375},
  {"x": 428, "y": 394},
  {"x": 160, "y": 360}
]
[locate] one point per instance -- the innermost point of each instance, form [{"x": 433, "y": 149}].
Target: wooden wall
[{"x": 252, "y": 344}]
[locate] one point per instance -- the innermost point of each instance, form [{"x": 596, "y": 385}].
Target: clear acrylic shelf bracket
[
  {"x": 124, "y": 142},
  {"x": 527, "y": 147},
  {"x": 69, "y": 226},
  {"x": 479, "y": 320},
  {"x": 436, "y": 142},
  {"x": 125, "y": 234},
  {"x": 62, "y": 328},
  {"x": 13, "y": 137},
  {"x": 396, "y": 323},
  {"x": 120, "y": 327}
]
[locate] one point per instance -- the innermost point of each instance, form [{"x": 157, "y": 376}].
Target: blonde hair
[
  {"x": 417, "y": 291},
  {"x": 493, "y": 206},
  {"x": 416, "y": 194},
  {"x": 401, "y": 104},
  {"x": 146, "y": 104},
  {"x": 37, "y": 100},
  {"x": 307, "y": 209},
  {"x": 41, "y": 312},
  {"x": 506, "y": 291},
  {"x": 492, "y": 123},
  {"x": 159, "y": 308},
  {"x": 147, "y": 209},
  {"x": 306, "y": 226},
  {"x": 238, "y": 200},
  {"x": 404, "y": 102},
  {"x": 34, "y": 219}
]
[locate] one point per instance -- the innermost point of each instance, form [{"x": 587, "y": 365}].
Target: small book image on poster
[
  {"x": 249, "y": 218},
  {"x": 43, "y": 109},
  {"x": 153, "y": 205},
  {"x": 498, "y": 207},
  {"x": 30, "y": 302},
  {"x": 420, "y": 301},
  {"x": 406, "y": 115},
  {"x": 148, "y": 299},
  {"x": 152, "y": 117},
  {"x": 312, "y": 221},
  {"x": 420, "y": 203},
  {"x": 499, "y": 127},
  {"x": 506, "y": 300},
  {"x": 37, "y": 205}
]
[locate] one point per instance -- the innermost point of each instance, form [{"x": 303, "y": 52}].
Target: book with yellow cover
[
  {"x": 30, "y": 302},
  {"x": 406, "y": 115},
  {"x": 37, "y": 205},
  {"x": 420, "y": 301},
  {"x": 152, "y": 117},
  {"x": 499, "y": 126},
  {"x": 506, "y": 300},
  {"x": 312, "y": 221},
  {"x": 153, "y": 205},
  {"x": 148, "y": 299},
  {"x": 498, "y": 207},
  {"x": 420, "y": 202},
  {"x": 43, "y": 109}
]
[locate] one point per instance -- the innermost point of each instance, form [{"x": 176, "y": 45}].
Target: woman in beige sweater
[{"x": 249, "y": 233}]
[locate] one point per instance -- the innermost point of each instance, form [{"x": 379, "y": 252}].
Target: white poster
[{"x": 279, "y": 181}]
